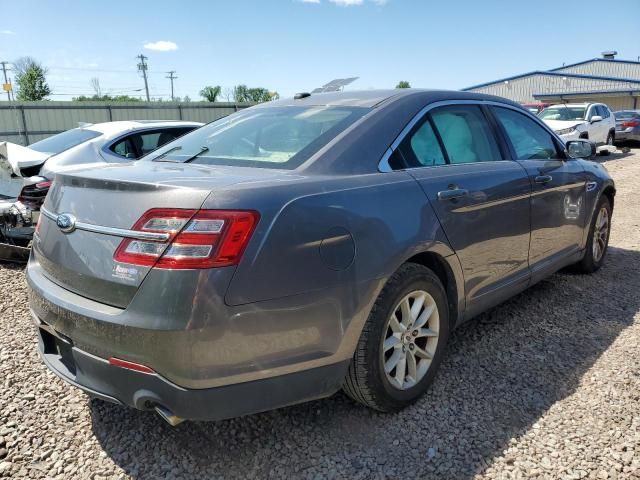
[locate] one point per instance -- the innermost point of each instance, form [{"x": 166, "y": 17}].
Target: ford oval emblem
[{"x": 66, "y": 222}]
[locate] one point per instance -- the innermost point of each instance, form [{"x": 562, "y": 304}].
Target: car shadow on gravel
[
  {"x": 502, "y": 372},
  {"x": 620, "y": 154}
]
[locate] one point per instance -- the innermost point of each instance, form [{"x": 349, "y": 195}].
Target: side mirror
[
  {"x": 581, "y": 149},
  {"x": 132, "y": 156},
  {"x": 596, "y": 118}
]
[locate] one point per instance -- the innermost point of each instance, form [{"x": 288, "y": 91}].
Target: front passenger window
[
  {"x": 529, "y": 140},
  {"x": 603, "y": 111}
]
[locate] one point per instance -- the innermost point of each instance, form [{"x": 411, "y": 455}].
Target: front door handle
[
  {"x": 452, "y": 194},
  {"x": 543, "y": 178}
]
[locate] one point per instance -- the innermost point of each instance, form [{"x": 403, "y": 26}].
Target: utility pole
[
  {"x": 4, "y": 70},
  {"x": 142, "y": 66},
  {"x": 172, "y": 78}
]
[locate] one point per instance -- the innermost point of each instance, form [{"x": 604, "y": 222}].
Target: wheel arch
[
  {"x": 448, "y": 271},
  {"x": 610, "y": 193}
]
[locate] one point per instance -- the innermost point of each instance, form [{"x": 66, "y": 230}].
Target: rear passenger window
[
  {"x": 425, "y": 147},
  {"x": 124, "y": 148},
  {"x": 466, "y": 134},
  {"x": 529, "y": 140}
]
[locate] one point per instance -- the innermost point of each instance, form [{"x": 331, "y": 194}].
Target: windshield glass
[
  {"x": 64, "y": 141},
  {"x": 626, "y": 115},
  {"x": 563, "y": 113},
  {"x": 269, "y": 137}
]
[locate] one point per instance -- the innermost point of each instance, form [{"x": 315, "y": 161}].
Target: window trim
[{"x": 383, "y": 164}]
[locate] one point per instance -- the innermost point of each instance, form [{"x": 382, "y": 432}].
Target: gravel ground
[{"x": 546, "y": 385}]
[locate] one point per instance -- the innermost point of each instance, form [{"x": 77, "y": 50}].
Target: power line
[
  {"x": 86, "y": 69},
  {"x": 142, "y": 66}
]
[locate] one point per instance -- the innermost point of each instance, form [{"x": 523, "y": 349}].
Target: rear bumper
[
  {"x": 146, "y": 391},
  {"x": 212, "y": 360},
  {"x": 628, "y": 134}
]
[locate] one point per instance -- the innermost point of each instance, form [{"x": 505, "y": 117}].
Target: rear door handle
[
  {"x": 543, "y": 178},
  {"x": 452, "y": 194}
]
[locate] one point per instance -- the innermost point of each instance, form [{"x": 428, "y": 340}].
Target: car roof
[
  {"x": 109, "y": 128},
  {"x": 374, "y": 98}
]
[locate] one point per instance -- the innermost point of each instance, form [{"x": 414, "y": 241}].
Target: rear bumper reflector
[{"x": 136, "y": 367}]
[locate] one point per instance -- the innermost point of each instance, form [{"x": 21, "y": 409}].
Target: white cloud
[
  {"x": 161, "y": 46},
  {"x": 7, "y": 32},
  {"x": 347, "y": 3},
  {"x": 309, "y": 1}
]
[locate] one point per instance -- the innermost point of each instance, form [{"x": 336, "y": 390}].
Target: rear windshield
[
  {"x": 563, "y": 113},
  {"x": 626, "y": 115},
  {"x": 269, "y": 137},
  {"x": 64, "y": 141}
]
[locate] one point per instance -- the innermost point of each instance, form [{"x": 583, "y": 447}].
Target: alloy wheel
[
  {"x": 411, "y": 338},
  {"x": 600, "y": 234}
]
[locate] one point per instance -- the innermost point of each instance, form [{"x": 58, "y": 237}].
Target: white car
[
  {"x": 26, "y": 172},
  {"x": 591, "y": 121},
  {"x": 107, "y": 142}
]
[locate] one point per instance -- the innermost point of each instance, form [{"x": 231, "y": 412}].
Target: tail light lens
[
  {"x": 45, "y": 184},
  {"x": 631, "y": 123},
  {"x": 197, "y": 238}
]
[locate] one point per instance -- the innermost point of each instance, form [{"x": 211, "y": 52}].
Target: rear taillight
[
  {"x": 631, "y": 124},
  {"x": 197, "y": 238}
]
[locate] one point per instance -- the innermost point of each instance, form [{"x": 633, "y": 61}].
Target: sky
[{"x": 290, "y": 46}]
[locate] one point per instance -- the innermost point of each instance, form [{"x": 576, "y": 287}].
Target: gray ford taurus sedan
[{"x": 307, "y": 245}]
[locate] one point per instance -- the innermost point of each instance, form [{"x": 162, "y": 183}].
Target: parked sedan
[
  {"x": 302, "y": 246},
  {"x": 627, "y": 125},
  {"x": 26, "y": 172}
]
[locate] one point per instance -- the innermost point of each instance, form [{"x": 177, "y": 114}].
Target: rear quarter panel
[{"x": 319, "y": 232}]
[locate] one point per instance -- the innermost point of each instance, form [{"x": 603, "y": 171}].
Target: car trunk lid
[{"x": 103, "y": 202}]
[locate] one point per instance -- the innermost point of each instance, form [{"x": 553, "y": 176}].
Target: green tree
[
  {"x": 244, "y": 94},
  {"x": 210, "y": 94},
  {"x": 31, "y": 80},
  {"x": 403, "y": 84},
  {"x": 106, "y": 98}
]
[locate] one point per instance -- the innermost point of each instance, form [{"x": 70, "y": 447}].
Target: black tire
[
  {"x": 589, "y": 264},
  {"x": 611, "y": 138},
  {"x": 366, "y": 381}
]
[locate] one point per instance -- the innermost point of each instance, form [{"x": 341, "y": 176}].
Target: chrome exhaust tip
[{"x": 168, "y": 416}]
